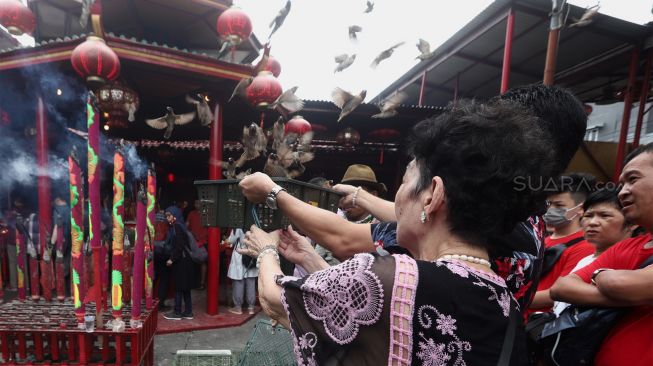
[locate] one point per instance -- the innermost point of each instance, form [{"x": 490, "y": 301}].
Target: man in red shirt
[
  {"x": 563, "y": 221},
  {"x": 630, "y": 342}
]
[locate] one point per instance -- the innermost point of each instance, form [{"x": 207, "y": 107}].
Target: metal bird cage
[
  {"x": 222, "y": 204},
  {"x": 269, "y": 345}
]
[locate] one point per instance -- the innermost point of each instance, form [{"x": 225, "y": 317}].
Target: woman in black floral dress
[{"x": 443, "y": 306}]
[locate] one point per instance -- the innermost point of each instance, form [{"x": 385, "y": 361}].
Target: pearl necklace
[{"x": 466, "y": 258}]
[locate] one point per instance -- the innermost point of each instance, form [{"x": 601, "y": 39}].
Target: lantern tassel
[{"x": 262, "y": 119}]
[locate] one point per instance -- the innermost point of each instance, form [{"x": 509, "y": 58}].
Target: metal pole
[
  {"x": 557, "y": 22},
  {"x": 421, "y": 89},
  {"x": 643, "y": 96},
  {"x": 625, "y": 119},
  {"x": 507, "y": 51},
  {"x": 215, "y": 173}
]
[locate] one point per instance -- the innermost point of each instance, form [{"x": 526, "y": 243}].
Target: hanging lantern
[
  {"x": 95, "y": 61},
  {"x": 234, "y": 26},
  {"x": 119, "y": 102},
  {"x": 297, "y": 125},
  {"x": 383, "y": 135},
  {"x": 263, "y": 90},
  {"x": 16, "y": 17},
  {"x": 273, "y": 66},
  {"x": 588, "y": 109},
  {"x": 348, "y": 137}
]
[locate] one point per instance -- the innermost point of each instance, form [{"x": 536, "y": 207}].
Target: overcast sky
[{"x": 316, "y": 30}]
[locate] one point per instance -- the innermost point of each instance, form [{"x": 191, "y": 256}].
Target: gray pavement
[{"x": 234, "y": 339}]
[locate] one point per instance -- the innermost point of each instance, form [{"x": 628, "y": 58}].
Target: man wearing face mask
[{"x": 566, "y": 245}]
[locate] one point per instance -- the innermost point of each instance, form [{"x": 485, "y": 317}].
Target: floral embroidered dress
[{"x": 375, "y": 310}]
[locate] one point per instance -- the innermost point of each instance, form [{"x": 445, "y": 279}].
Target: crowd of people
[{"x": 469, "y": 264}]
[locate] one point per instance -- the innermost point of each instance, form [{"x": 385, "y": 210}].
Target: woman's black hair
[{"x": 480, "y": 151}]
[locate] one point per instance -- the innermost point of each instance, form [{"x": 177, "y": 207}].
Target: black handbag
[
  {"x": 553, "y": 254},
  {"x": 575, "y": 336}
]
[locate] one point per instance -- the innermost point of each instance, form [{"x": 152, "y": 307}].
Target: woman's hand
[
  {"x": 294, "y": 247},
  {"x": 256, "y": 239},
  {"x": 347, "y": 201},
  {"x": 256, "y": 187}
]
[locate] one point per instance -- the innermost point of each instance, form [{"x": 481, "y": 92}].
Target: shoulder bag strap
[{"x": 508, "y": 341}]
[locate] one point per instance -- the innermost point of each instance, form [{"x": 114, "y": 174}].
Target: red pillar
[
  {"x": 215, "y": 173},
  {"x": 643, "y": 96},
  {"x": 625, "y": 119},
  {"x": 421, "y": 89},
  {"x": 507, "y": 51},
  {"x": 45, "y": 206}
]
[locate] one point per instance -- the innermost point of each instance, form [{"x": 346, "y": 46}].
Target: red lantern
[
  {"x": 297, "y": 125},
  {"x": 16, "y": 17},
  {"x": 273, "y": 66},
  {"x": 263, "y": 90},
  {"x": 95, "y": 61},
  {"x": 234, "y": 26},
  {"x": 588, "y": 109},
  {"x": 348, "y": 137},
  {"x": 384, "y": 134}
]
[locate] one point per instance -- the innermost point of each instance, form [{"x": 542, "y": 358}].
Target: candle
[
  {"x": 118, "y": 233},
  {"x": 139, "y": 255},
  {"x": 149, "y": 238}
]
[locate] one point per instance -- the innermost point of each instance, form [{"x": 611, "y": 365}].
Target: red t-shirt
[
  {"x": 567, "y": 261},
  {"x": 195, "y": 226},
  {"x": 630, "y": 342}
]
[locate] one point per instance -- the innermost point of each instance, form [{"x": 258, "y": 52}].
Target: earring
[{"x": 422, "y": 217}]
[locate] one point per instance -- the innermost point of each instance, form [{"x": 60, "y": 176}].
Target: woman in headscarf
[
  {"x": 444, "y": 305},
  {"x": 183, "y": 268}
]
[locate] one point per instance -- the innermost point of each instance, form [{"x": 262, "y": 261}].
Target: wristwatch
[
  {"x": 271, "y": 199},
  {"x": 596, "y": 273}
]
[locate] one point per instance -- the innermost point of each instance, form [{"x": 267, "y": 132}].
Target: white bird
[
  {"x": 169, "y": 121},
  {"x": 587, "y": 17},
  {"x": 254, "y": 143},
  {"x": 346, "y": 101},
  {"x": 384, "y": 55},
  {"x": 131, "y": 109},
  {"x": 241, "y": 88},
  {"x": 280, "y": 18},
  {"x": 204, "y": 113},
  {"x": 389, "y": 106},
  {"x": 344, "y": 61},
  {"x": 425, "y": 50},
  {"x": 353, "y": 29},
  {"x": 370, "y": 7},
  {"x": 278, "y": 131},
  {"x": 287, "y": 102}
]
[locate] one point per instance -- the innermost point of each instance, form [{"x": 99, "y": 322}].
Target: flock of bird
[{"x": 291, "y": 151}]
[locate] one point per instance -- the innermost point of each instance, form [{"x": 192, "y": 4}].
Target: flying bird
[
  {"x": 389, "y": 106},
  {"x": 346, "y": 101},
  {"x": 273, "y": 167},
  {"x": 287, "y": 102},
  {"x": 263, "y": 62},
  {"x": 425, "y": 50},
  {"x": 587, "y": 17},
  {"x": 86, "y": 11},
  {"x": 131, "y": 110},
  {"x": 241, "y": 88},
  {"x": 278, "y": 131},
  {"x": 204, "y": 113},
  {"x": 384, "y": 55},
  {"x": 370, "y": 7},
  {"x": 169, "y": 121},
  {"x": 280, "y": 18},
  {"x": 229, "y": 168},
  {"x": 294, "y": 152},
  {"x": 254, "y": 143},
  {"x": 226, "y": 46},
  {"x": 344, "y": 61},
  {"x": 353, "y": 29}
]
